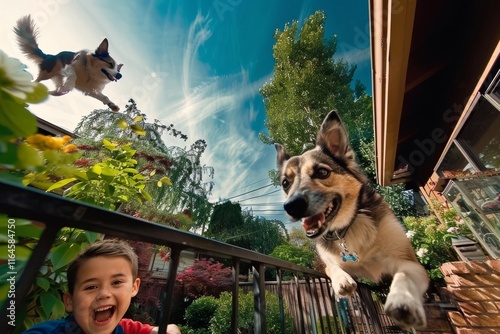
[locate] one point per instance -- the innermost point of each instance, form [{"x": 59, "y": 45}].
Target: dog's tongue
[{"x": 313, "y": 222}]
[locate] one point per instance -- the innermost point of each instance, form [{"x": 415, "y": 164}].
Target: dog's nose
[
  {"x": 118, "y": 75},
  {"x": 296, "y": 206}
]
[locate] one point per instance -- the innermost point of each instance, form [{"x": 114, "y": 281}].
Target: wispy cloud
[
  {"x": 216, "y": 109},
  {"x": 354, "y": 55}
]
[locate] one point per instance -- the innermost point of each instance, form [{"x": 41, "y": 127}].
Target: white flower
[
  {"x": 410, "y": 234},
  {"x": 14, "y": 80},
  {"x": 454, "y": 230},
  {"x": 422, "y": 251}
]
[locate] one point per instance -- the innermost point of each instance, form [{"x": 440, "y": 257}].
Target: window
[{"x": 480, "y": 136}]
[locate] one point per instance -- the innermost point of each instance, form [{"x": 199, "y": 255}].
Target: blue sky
[{"x": 198, "y": 64}]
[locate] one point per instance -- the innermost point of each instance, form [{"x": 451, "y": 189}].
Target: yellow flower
[
  {"x": 35, "y": 139},
  {"x": 66, "y": 139},
  {"x": 69, "y": 148},
  {"x": 14, "y": 80},
  {"x": 43, "y": 143},
  {"x": 53, "y": 143}
]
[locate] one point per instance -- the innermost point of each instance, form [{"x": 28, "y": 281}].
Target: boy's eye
[
  {"x": 90, "y": 287},
  {"x": 117, "y": 282}
]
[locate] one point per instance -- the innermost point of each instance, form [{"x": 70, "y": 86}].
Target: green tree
[
  {"x": 294, "y": 254},
  {"x": 298, "y": 238},
  {"x": 263, "y": 235},
  {"x": 192, "y": 181},
  {"x": 307, "y": 84},
  {"x": 225, "y": 223},
  {"x": 231, "y": 225}
]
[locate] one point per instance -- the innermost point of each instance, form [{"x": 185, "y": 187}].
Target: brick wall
[{"x": 474, "y": 288}]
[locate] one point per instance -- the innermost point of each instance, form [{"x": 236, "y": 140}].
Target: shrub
[
  {"x": 199, "y": 313},
  {"x": 325, "y": 321},
  {"x": 220, "y": 323},
  {"x": 432, "y": 244}
]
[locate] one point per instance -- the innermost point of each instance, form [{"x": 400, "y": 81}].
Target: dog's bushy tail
[{"x": 27, "y": 33}]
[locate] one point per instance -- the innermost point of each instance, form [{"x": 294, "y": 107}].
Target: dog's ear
[
  {"x": 333, "y": 136},
  {"x": 102, "y": 49},
  {"x": 282, "y": 155}
]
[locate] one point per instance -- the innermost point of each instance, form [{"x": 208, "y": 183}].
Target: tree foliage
[
  {"x": 191, "y": 181},
  {"x": 307, "y": 84},
  {"x": 432, "y": 244},
  {"x": 294, "y": 254},
  {"x": 205, "y": 277},
  {"x": 231, "y": 225},
  {"x": 226, "y": 218},
  {"x": 220, "y": 324}
]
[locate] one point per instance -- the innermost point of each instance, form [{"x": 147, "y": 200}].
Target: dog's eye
[
  {"x": 285, "y": 184},
  {"x": 322, "y": 173}
]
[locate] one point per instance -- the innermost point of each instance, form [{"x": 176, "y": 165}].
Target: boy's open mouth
[{"x": 104, "y": 313}]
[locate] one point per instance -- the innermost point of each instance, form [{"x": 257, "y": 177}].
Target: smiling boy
[{"x": 101, "y": 283}]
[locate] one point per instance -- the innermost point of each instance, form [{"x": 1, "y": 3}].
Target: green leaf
[
  {"x": 81, "y": 176},
  {"x": 109, "y": 145},
  {"x": 4, "y": 221},
  {"x": 43, "y": 283},
  {"x": 8, "y": 153},
  {"x": 91, "y": 236},
  {"x": 138, "y": 177},
  {"x": 29, "y": 231},
  {"x": 61, "y": 183},
  {"x": 146, "y": 195},
  {"x": 28, "y": 157},
  {"x": 122, "y": 123},
  {"x": 16, "y": 118},
  {"x": 166, "y": 180},
  {"x": 96, "y": 169},
  {"x": 39, "y": 94},
  {"x": 21, "y": 252},
  {"x": 131, "y": 170},
  {"x": 64, "y": 254},
  {"x": 49, "y": 301},
  {"x": 137, "y": 129},
  {"x": 138, "y": 118}
]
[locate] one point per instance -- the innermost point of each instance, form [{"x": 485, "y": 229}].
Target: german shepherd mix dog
[
  {"x": 357, "y": 235},
  {"x": 88, "y": 72}
]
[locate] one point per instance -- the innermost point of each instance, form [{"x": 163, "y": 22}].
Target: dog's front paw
[
  {"x": 57, "y": 92},
  {"x": 405, "y": 310},
  {"x": 113, "y": 107},
  {"x": 344, "y": 285}
]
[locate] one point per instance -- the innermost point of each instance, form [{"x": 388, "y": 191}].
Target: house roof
[{"x": 428, "y": 58}]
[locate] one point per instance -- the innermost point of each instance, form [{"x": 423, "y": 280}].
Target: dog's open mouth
[
  {"x": 110, "y": 76},
  {"x": 316, "y": 224},
  {"x": 104, "y": 313}
]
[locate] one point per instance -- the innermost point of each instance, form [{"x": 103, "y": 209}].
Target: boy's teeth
[{"x": 103, "y": 308}]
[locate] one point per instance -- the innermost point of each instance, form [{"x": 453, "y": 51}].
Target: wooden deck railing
[{"x": 309, "y": 299}]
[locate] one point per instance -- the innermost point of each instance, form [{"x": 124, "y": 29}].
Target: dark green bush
[
  {"x": 220, "y": 323},
  {"x": 199, "y": 313},
  {"x": 325, "y": 321}
]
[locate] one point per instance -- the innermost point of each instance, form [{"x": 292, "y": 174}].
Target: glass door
[{"x": 477, "y": 200}]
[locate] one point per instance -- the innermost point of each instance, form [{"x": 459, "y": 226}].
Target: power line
[
  {"x": 262, "y": 195},
  {"x": 264, "y": 204},
  {"x": 251, "y": 191},
  {"x": 268, "y": 210},
  {"x": 264, "y": 179}
]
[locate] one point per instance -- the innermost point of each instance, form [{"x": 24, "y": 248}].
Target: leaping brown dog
[
  {"x": 89, "y": 72},
  {"x": 357, "y": 234}
]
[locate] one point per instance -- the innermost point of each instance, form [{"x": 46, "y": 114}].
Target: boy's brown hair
[{"x": 109, "y": 248}]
